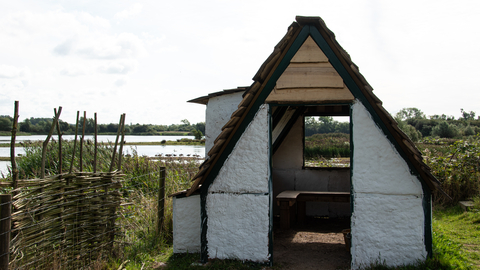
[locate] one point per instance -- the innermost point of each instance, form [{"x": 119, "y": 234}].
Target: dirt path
[{"x": 317, "y": 245}]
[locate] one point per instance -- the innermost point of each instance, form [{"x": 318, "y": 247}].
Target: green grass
[
  {"x": 458, "y": 232},
  {"x": 182, "y": 261}
]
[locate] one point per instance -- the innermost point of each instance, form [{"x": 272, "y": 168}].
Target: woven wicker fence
[{"x": 64, "y": 221}]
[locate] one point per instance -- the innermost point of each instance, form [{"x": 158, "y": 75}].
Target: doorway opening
[{"x": 311, "y": 182}]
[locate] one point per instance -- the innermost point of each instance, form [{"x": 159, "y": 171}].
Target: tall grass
[
  {"x": 327, "y": 145},
  {"x": 30, "y": 164}
]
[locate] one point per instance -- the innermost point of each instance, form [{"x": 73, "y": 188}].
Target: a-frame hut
[{"x": 255, "y": 152}]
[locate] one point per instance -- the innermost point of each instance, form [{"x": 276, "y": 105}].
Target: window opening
[{"x": 326, "y": 141}]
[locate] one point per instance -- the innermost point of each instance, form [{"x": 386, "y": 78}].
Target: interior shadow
[{"x": 319, "y": 244}]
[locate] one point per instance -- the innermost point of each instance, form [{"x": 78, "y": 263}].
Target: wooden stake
[
  {"x": 116, "y": 143},
  {"x": 82, "y": 139},
  {"x": 161, "y": 200},
  {"x": 60, "y": 157},
  {"x": 12, "y": 147},
  {"x": 95, "y": 150},
  {"x": 74, "y": 145},
  {"x": 45, "y": 143},
  {"x": 120, "y": 152}
]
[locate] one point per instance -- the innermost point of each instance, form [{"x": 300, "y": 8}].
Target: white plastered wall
[
  {"x": 238, "y": 226},
  {"x": 238, "y": 201},
  {"x": 388, "y": 218},
  {"x": 186, "y": 224},
  {"x": 246, "y": 170},
  {"x": 219, "y": 110}
]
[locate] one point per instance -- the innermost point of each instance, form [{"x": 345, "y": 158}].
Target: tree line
[
  {"x": 416, "y": 125},
  {"x": 412, "y": 121},
  {"x": 35, "y": 125},
  {"x": 324, "y": 124}
]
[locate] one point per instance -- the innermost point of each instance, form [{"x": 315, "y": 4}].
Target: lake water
[
  {"x": 100, "y": 138},
  {"x": 142, "y": 150}
]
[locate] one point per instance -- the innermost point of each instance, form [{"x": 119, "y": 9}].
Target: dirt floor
[{"x": 319, "y": 244}]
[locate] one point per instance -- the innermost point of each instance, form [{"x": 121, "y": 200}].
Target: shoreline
[{"x": 18, "y": 144}]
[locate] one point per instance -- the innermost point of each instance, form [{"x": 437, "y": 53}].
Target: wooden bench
[{"x": 289, "y": 198}]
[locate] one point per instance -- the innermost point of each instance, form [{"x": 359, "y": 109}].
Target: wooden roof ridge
[
  {"x": 204, "y": 99},
  {"x": 262, "y": 76}
]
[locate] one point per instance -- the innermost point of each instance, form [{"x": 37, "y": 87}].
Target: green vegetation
[
  {"x": 457, "y": 166},
  {"x": 324, "y": 124},
  {"x": 327, "y": 145},
  {"x": 138, "y": 242},
  {"x": 457, "y": 236},
  {"x": 416, "y": 125}
]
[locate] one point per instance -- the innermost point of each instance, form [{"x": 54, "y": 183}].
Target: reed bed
[{"x": 327, "y": 145}]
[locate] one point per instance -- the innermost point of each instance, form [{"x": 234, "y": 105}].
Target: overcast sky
[{"x": 147, "y": 58}]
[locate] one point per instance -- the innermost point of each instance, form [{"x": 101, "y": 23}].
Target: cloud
[
  {"x": 118, "y": 67},
  {"x": 130, "y": 12},
  {"x": 120, "y": 82},
  {"x": 93, "y": 21},
  {"x": 73, "y": 71},
  {"x": 64, "y": 48},
  {"x": 16, "y": 76},
  {"x": 10, "y": 72},
  {"x": 125, "y": 45}
]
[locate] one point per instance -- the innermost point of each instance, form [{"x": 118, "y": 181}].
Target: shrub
[
  {"x": 468, "y": 131},
  {"x": 458, "y": 170},
  {"x": 412, "y": 133},
  {"x": 445, "y": 130}
]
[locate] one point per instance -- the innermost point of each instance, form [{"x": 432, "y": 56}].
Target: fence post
[
  {"x": 5, "y": 227},
  {"x": 161, "y": 200}
]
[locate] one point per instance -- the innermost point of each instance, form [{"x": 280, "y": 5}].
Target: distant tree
[
  {"x": 102, "y": 128},
  {"x": 324, "y": 124},
  {"x": 141, "y": 129},
  {"x": 5, "y": 124},
  {"x": 409, "y": 130},
  {"x": 469, "y": 131},
  {"x": 200, "y": 126},
  {"x": 467, "y": 115},
  {"x": 425, "y": 126},
  {"x": 410, "y": 113},
  {"x": 64, "y": 126},
  {"x": 26, "y": 126},
  {"x": 198, "y": 134},
  {"x": 445, "y": 130},
  {"x": 185, "y": 122},
  {"x": 112, "y": 127},
  {"x": 342, "y": 127}
]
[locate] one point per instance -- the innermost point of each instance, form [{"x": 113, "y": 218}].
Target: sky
[{"x": 147, "y": 58}]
